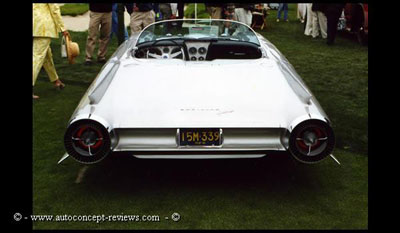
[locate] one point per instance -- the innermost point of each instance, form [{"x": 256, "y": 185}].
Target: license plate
[{"x": 200, "y": 137}]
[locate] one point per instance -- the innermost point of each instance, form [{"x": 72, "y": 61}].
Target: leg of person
[
  {"x": 180, "y": 10},
  {"x": 50, "y": 69},
  {"x": 94, "y": 23},
  {"x": 208, "y": 10},
  {"x": 298, "y": 11},
  {"x": 239, "y": 12},
  {"x": 322, "y": 21},
  {"x": 279, "y": 12},
  {"x": 248, "y": 17},
  {"x": 217, "y": 13},
  {"x": 315, "y": 26},
  {"x": 285, "y": 11},
  {"x": 303, "y": 11},
  {"x": 40, "y": 47},
  {"x": 114, "y": 26},
  {"x": 105, "y": 28},
  {"x": 308, "y": 25},
  {"x": 330, "y": 36},
  {"x": 126, "y": 34},
  {"x": 166, "y": 11},
  {"x": 180, "y": 14},
  {"x": 332, "y": 27},
  {"x": 136, "y": 22}
]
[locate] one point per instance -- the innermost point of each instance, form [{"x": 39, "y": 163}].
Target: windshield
[{"x": 200, "y": 29}]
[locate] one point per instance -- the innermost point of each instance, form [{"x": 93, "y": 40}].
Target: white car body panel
[{"x": 144, "y": 103}]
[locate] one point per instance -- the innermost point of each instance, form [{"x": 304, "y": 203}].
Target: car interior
[{"x": 198, "y": 50}]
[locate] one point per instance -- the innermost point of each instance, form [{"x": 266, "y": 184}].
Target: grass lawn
[
  {"x": 201, "y": 11},
  {"x": 269, "y": 193},
  {"x": 74, "y": 9}
]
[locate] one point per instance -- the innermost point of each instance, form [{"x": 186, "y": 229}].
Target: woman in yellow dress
[{"x": 47, "y": 23}]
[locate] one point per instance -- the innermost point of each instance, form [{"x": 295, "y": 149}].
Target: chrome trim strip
[
  {"x": 334, "y": 159},
  {"x": 200, "y": 156},
  {"x": 210, "y": 149},
  {"x": 66, "y": 155},
  {"x": 178, "y": 141}
]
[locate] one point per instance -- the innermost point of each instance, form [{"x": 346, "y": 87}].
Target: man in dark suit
[{"x": 333, "y": 12}]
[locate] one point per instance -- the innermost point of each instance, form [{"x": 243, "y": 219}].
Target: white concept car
[{"x": 198, "y": 89}]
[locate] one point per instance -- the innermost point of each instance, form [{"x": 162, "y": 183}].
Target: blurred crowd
[{"x": 320, "y": 20}]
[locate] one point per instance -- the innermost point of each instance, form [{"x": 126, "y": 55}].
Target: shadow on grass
[{"x": 276, "y": 173}]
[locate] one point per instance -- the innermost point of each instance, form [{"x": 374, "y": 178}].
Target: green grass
[
  {"x": 337, "y": 76},
  {"x": 201, "y": 11},
  {"x": 269, "y": 193},
  {"x": 74, "y": 9}
]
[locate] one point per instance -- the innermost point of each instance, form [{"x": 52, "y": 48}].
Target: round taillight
[
  {"x": 311, "y": 141},
  {"x": 87, "y": 141}
]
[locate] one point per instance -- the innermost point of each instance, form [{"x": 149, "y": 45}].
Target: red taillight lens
[
  {"x": 311, "y": 141},
  {"x": 87, "y": 141}
]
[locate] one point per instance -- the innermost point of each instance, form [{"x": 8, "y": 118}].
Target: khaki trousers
[
  {"x": 42, "y": 56},
  {"x": 104, "y": 21},
  {"x": 319, "y": 23},
  {"x": 140, "y": 20},
  {"x": 309, "y": 23},
  {"x": 215, "y": 12}
]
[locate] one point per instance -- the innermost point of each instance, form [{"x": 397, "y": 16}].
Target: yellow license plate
[{"x": 200, "y": 137}]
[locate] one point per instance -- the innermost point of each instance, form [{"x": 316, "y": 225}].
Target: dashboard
[
  {"x": 189, "y": 50},
  {"x": 197, "y": 50}
]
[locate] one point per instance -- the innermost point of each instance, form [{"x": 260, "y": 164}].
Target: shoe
[
  {"x": 287, "y": 20},
  {"x": 58, "y": 84},
  {"x": 277, "y": 20},
  {"x": 88, "y": 62},
  {"x": 35, "y": 97},
  {"x": 102, "y": 61}
]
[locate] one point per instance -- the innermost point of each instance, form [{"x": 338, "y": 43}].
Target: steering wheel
[{"x": 166, "y": 54}]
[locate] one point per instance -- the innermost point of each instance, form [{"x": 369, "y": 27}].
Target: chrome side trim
[
  {"x": 334, "y": 159},
  {"x": 159, "y": 148},
  {"x": 98, "y": 93},
  {"x": 200, "y": 156},
  {"x": 168, "y": 140},
  {"x": 66, "y": 155}
]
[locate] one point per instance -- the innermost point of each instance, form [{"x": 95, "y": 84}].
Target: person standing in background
[
  {"x": 166, "y": 11},
  {"x": 157, "y": 12},
  {"x": 180, "y": 8},
  {"x": 301, "y": 11},
  {"x": 243, "y": 13},
  {"x": 229, "y": 11},
  {"x": 283, "y": 7},
  {"x": 114, "y": 27},
  {"x": 47, "y": 23},
  {"x": 319, "y": 20},
  {"x": 309, "y": 20},
  {"x": 333, "y": 12},
  {"x": 142, "y": 15},
  {"x": 100, "y": 15},
  {"x": 174, "y": 10},
  {"x": 215, "y": 10}
]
